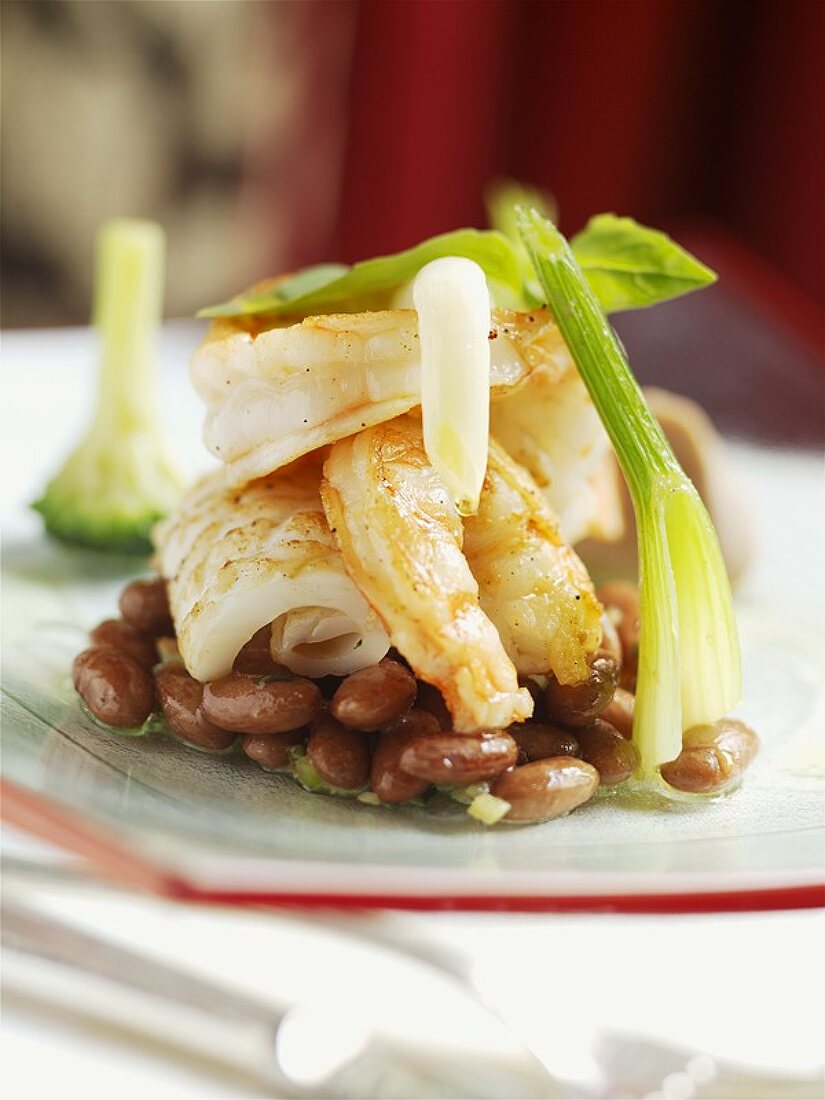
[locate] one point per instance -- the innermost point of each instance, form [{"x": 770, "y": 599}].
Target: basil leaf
[
  {"x": 371, "y": 282},
  {"x": 308, "y": 280},
  {"x": 630, "y": 266}
]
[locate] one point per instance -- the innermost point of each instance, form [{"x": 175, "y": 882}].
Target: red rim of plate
[
  {"x": 732, "y": 901},
  {"x": 112, "y": 859}
]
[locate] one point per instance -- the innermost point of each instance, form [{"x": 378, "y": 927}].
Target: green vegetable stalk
[
  {"x": 119, "y": 480},
  {"x": 501, "y": 200},
  {"x": 689, "y": 668}
]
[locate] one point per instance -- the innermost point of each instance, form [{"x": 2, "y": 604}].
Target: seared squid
[
  {"x": 532, "y": 586},
  {"x": 401, "y": 538},
  {"x": 236, "y": 560}
]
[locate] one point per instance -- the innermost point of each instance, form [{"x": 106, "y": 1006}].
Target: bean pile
[{"x": 385, "y": 737}]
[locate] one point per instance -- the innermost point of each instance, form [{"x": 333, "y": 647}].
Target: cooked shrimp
[
  {"x": 550, "y": 427},
  {"x": 400, "y": 535},
  {"x": 274, "y": 394},
  {"x": 532, "y": 586}
]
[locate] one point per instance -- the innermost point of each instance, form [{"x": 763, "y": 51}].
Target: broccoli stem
[{"x": 127, "y": 311}]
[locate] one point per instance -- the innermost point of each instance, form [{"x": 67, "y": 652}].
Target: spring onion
[
  {"x": 689, "y": 666},
  {"x": 488, "y": 809},
  {"x": 501, "y": 201},
  {"x": 120, "y": 479},
  {"x": 453, "y": 304}
]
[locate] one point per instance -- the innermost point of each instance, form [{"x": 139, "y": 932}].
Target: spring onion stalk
[
  {"x": 453, "y": 304},
  {"x": 501, "y": 200},
  {"x": 120, "y": 480},
  {"x": 488, "y": 809},
  {"x": 689, "y": 666}
]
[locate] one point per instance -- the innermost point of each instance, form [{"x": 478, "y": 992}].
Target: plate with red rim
[{"x": 155, "y": 814}]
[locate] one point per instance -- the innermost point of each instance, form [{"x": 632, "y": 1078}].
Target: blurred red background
[
  {"x": 660, "y": 108},
  {"x": 265, "y": 135}
]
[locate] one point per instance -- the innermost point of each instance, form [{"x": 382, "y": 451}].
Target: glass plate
[{"x": 216, "y": 827}]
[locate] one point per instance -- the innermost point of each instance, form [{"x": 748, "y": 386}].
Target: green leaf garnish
[
  {"x": 307, "y": 281},
  {"x": 689, "y": 666},
  {"x": 630, "y": 266},
  {"x": 370, "y": 283}
]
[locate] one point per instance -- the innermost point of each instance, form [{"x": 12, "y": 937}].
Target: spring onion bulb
[
  {"x": 453, "y": 304},
  {"x": 689, "y": 665},
  {"x": 120, "y": 480}
]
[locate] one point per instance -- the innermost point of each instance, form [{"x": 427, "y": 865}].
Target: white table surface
[{"x": 731, "y": 988}]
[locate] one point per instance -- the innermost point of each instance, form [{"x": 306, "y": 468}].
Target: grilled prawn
[
  {"x": 400, "y": 536},
  {"x": 532, "y": 586},
  {"x": 550, "y": 426},
  {"x": 276, "y": 393}
]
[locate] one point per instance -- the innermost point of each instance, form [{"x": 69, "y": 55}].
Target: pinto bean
[
  {"x": 114, "y": 686},
  {"x": 536, "y": 694},
  {"x": 122, "y": 635},
  {"x": 145, "y": 605},
  {"x": 619, "y": 711},
  {"x": 613, "y": 756},
  {"x": 328, "y": 685},
  {"x": 581, "y": 704},
  {"x": 271, "y": 750},
  {"x": 374, "y": 697},
  {"x": 180, "y": 699},
  {"x": 247, "y": 705},
  {"x": 430, "y": 699},
  {"x": 388, "y": 781},
  {"x": 254, "y": 658},
  {"x": 713, "y": 757},
  {"x": 459, "y": 758},
  {"x": 341, "y": 756},
  {"x": 538, "y": 741},
  {"x": 621, "y": 601},
  {"x": 546, "y": 788}
]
